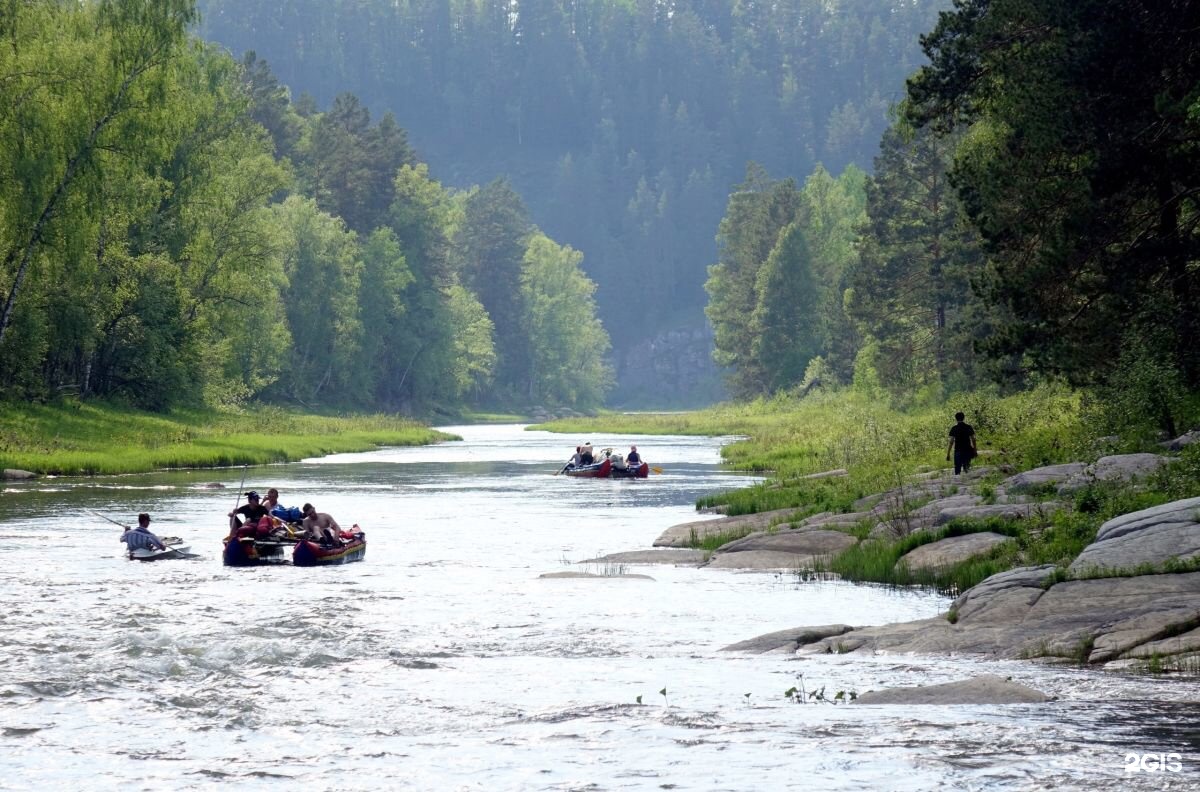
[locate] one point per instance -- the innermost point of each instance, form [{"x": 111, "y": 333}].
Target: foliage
[
  {"x": 777, "y": 293},
  {"x": 568, "y": 341},
  {"x": 98, "y": 438},
  {"x": 622, "y": 123},
  {"x": 1079, "y": 171}
]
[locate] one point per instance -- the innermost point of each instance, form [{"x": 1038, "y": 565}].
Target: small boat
[
  {"x": 175, "y": 548},
  {"x": 599, "y": 469},
  {"x": 250, "y": 551},
  {"x": 309, "y": 553},
  {"x": 640, "y": 471}
]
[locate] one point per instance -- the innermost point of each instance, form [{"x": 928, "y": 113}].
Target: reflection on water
[{"x": 444, "y": 661}]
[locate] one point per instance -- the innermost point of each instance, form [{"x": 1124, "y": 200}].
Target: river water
[{"x": 444, "y": 662}]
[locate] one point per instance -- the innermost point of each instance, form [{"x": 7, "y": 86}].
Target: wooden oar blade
[{"x": 657, "y": 470}]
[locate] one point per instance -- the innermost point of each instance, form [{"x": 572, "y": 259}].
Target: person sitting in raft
[
  {"x": 319, "y": 526},
  {"x": 576, "y": 459},
  {"x": 585, "y": 455},
  {"x": 272, "y": 500},
  {"x": 253, "y": 511},
  {"x": 633, "y": 458},
  {"x": 140, "y": 537}
]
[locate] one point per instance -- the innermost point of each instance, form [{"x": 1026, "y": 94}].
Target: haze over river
[{"x": 444, "y": 662}]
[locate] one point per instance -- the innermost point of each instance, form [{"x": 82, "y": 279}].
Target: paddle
[
  {"x": 166, "y": 549},
  {"x": 657, "y": 470},
  {"x": 564, "y": 467}
]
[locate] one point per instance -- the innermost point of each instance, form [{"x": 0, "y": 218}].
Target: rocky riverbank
[{"x": 1131, "y": 597}]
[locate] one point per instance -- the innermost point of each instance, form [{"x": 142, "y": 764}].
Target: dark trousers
[{"x": 962, "y": 461}]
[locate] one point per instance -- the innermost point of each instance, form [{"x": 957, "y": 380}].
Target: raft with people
[
  {"x": 280, "y": 535},
  {"x": 353, "y": 547},
  {"x": 607, "y": 464},
  {"x": 600, "y": 469}
]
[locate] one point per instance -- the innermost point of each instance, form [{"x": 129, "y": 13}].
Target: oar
[
  {"x": 657, "y": 470},
  {"x": 564, "y": 467},
  {"x": 166, "y": 549}
]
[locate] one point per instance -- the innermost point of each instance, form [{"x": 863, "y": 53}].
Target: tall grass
[
  {"x": 95, "y": 438},
  {"x": 879, "y": 445}
]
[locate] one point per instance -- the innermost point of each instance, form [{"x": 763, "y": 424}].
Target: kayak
[
  {"x": 600, "y": 469},
  {"x": 175, "y": 549},
  {"x": 308, "y": 553}
]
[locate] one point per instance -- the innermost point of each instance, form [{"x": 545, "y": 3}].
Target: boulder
[
  {"x": 828, "y": 474},
  {"x": 1150, "y": 536},
  {"x": 984, "y": 689},
  {"x": 13, "y": 474},
  {"x": 1120, "y": 467},
  {"x": 829, "y": 519},
  {"x": 1051, "y": 474},
  {"x": 787, "y": 641},
  {"x": 1007, "y": 511},
  {"x": 591, "y": 576},
  {"x": 1184, "y": 643},
  {"x": 1092, "y": 621},
  {"x": 678, "y": 556},
  {"x": 951, "y": 551},
  {"x": 802, "y": 541},
  {"x": 791, "y": 549},
  {"x": 1183, "y": 441},
  {"x": 683, "y": 534},
  {"x": 766, "y": 560}
]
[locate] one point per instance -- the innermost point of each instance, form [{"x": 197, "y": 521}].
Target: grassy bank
[
  {"x": 876, "y": 444},
  {"x": 881, "y": 448},
  {"x": 92, "y": 438}
]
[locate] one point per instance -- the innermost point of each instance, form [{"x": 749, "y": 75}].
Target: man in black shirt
[
  {"x": 962, "y": 443},
  {"x": 253, "y": 511}
]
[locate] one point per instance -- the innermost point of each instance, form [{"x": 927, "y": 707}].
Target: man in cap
[{"x": 253, "y": 511}]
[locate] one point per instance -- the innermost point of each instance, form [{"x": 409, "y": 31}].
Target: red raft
[
  {"x": 309, "y": 553},
  {"x": 599, "y": 470},
  {"x": 640, "y": 471}
]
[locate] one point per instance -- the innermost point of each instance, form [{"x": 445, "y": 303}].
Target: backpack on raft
[{"x": 291, "y": 514}]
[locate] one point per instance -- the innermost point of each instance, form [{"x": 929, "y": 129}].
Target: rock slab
[
  {"x": 985, "y": 689},
  {"x": 951, "y": 551},
  {"x": 1148, "y": 537}
]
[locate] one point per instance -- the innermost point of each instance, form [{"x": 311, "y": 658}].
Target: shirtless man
[{"x": 319, "y": 525}]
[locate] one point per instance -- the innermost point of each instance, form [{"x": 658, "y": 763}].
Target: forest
[
  {"x": 897, "y": 197},
  {"x": 174, "y": 230},
  {"x": 624, "y": 124}
]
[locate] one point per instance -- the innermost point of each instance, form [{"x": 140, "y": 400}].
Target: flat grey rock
[
  {"x": 1007, "y": 511},
  {"x": 590, "y": 576},
  {"x": 1093, "y": 620},
  {"x": 1119, "y": 467},
  {"x": 787, "y": 641},
  {"x": 951, "y": 551},
  {"x": 803, "y": 541},
  {"x": 13, "y": 474},
  {"x": 1050, "y": 474},
  {"x": 683, "y": 534},
  {"x": 828, "y": 474},
  {"x": 666, "y": 555},
  {"x": 764, "y": 560},
  {"x": 1150, "y": 536},
  {"x": 1183, "y": 441},
  {"x": 1187, "y": 510},
  {"x": 985, "y": 689}
]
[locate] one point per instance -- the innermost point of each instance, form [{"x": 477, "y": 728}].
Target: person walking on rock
[{"x": 962, "y": 444}]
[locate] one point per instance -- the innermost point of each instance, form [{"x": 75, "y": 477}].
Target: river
[{"x": 445, "y": 662}]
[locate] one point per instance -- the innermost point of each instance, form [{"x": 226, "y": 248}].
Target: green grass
[
  {"x": 788, "y": 438},
  {"x": 95, "y": 438}
]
